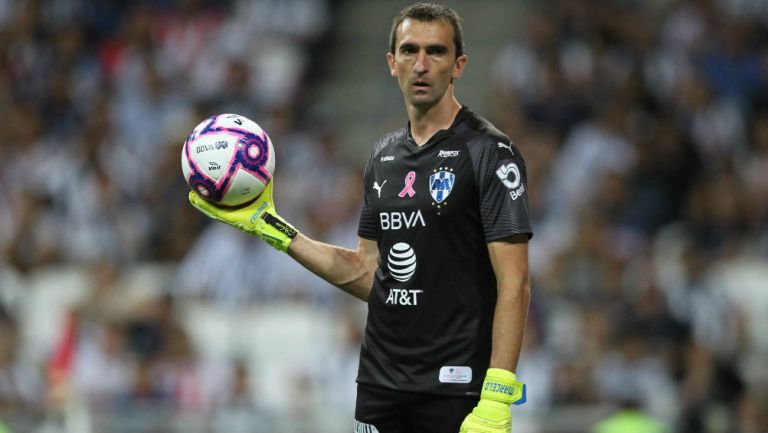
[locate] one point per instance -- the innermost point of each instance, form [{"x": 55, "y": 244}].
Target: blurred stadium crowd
[{"x": 645, "y": 129}]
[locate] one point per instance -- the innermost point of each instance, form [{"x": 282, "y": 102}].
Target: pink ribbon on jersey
[{"x": 408, "y": 190}]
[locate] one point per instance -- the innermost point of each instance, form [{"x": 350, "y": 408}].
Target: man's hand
[
  {"x": 258, "y": 218},
  {"x": 492, "y": 414}
]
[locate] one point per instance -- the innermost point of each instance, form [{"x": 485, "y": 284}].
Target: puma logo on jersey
[
  {"x": 387, "y": 158},
  {"x": 378, "y": 187},
  {"x": 398, "y": 220},
  {"x": 506, "y": 146}
]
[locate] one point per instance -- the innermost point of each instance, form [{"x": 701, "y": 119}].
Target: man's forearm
[
  {"x": 509, "y": 325},
  {"x": 349, "y": 270}
]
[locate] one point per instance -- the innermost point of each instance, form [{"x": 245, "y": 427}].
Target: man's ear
[
  {"x": 458, "y": 67},
  {"x": 392, "y": 64}
]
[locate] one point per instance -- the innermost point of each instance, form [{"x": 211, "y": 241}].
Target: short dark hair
[{"x": 429, "y": 12}]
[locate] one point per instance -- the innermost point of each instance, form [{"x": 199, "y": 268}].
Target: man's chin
[{"x": 422, "y": 101}]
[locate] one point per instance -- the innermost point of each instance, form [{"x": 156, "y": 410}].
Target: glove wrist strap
[
  {"x": 502, "y": 386},
  {"x": 280, "y": 225},
  {"x": 280, "y": 233}
]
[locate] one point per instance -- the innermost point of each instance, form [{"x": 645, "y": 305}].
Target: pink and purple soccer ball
[{"x": 227, "y": 160}]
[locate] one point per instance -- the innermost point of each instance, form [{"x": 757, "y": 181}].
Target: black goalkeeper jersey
[{"x": 433, "y": 209}]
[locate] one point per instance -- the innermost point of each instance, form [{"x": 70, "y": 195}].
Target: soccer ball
[{"x": 228, "y": 160}]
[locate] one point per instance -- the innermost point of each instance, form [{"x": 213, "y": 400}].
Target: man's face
[{"x": 424, "y": 61}]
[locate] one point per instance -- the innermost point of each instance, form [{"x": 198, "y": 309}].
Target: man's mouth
[{"x": 420, "y": 85}]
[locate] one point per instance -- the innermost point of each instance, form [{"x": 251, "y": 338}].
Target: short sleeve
[
  {"x": 503, "y": 190},
  {"x": 366, "y": 228}
]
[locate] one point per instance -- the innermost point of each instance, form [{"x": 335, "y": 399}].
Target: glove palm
[
  {"x": 258, "y": 218},
  {"x": 488, "y": 417}
]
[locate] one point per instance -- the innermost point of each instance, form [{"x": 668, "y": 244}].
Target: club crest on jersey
[{"x": 441, "y": 184}]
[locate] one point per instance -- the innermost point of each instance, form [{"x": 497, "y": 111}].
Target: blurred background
[{"x": 644, "y": 125}]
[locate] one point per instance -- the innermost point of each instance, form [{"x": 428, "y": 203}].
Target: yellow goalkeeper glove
[
  {"x": 492, "y": 415},
  {"x": 258, "y": 218}
]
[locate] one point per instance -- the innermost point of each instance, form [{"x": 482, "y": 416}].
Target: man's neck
[{"x": 424, "y": 124}]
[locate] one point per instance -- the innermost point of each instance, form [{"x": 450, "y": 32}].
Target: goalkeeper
[{"x": 442, "y": 257}]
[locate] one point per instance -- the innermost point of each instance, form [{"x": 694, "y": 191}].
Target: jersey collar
[{"x": 439, "y": 135}]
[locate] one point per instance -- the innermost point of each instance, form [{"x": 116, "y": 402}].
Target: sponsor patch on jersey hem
[{"x": 455, "y": 374}]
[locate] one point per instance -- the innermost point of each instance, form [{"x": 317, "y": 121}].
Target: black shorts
[{"x": 381, "y": 410}]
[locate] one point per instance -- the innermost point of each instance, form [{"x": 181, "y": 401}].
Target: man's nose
[{"x": 422, "y": 63}]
